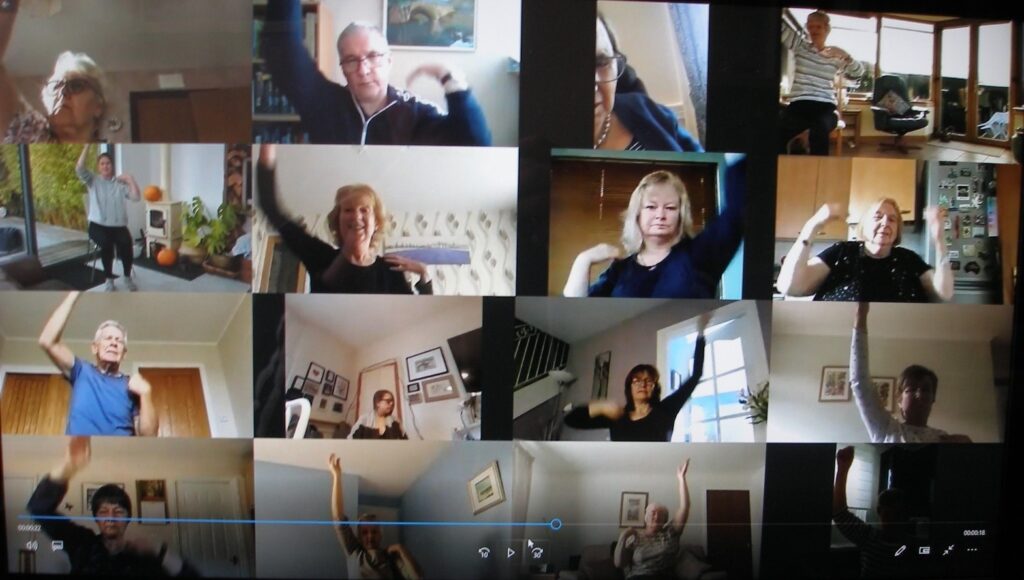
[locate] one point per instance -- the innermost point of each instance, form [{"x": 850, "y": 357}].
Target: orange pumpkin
[
  {"x": 152, "y": 193},
  {"x": 167, "y": 257}
]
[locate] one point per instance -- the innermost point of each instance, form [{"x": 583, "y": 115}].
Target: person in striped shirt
[{"x": 812, "y": 96}]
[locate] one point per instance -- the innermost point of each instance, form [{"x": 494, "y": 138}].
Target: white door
[{"x": 217, "y": 549}]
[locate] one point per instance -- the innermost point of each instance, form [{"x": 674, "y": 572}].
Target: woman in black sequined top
[{"x": 872, "y": 269}]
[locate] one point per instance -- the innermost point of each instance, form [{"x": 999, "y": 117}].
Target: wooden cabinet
[{"x": 807, "y": 183}]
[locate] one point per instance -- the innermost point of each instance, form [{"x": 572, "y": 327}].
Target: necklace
[{"x": 604, "y": 131}]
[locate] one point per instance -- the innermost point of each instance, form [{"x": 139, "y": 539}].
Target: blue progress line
[{"x": 550, "y": 524}]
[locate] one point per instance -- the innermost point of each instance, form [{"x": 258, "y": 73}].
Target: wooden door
[
  {"x": 380, "y": 376},
  {"x": 833, "y": 187},
  {"x": 35, "y": 404},
  {"x": 1008, "y": 205},
  {"x": 873, "y": 178},
  {"x": 796, "y": 191},
  {"x": 179, "y": 401},
  {"x": 729, "y": 541},
  {"x": 200, "y": 116}
]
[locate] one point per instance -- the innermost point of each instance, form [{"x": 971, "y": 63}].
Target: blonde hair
[
  {"x": 632, "y": 237},
  {"x": 380, "y": 215},
  {"x": 80, "y": 65},
  {"x": 869, "y": 214},
  {"x": 111, "y": 323}
]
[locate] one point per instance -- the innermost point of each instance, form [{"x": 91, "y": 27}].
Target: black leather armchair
[{"x": 890, "y": 105}]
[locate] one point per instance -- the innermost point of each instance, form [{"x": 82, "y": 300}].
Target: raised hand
[
  {"x": 268, "y": 155},
  {"x": 334, "y": 465},
  {"x": 78, "y": 454},
  {"x": 682, "y": 469},
  {"x": 602, "y": 253},
  {"x": 436, "y": 71},
  {"x": 139, "y": 386},
  {"x": 936, "y": 218},
  {"x": 401, "y": 264},
  {"x": 826, "y": 213},
  {"x": 844, "y": 458}
]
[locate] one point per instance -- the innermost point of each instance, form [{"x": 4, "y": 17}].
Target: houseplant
[
  {"x": 756, "y": 402},
  {"x": 219, "y": 231},
  {"x": 195, "y": 225}
]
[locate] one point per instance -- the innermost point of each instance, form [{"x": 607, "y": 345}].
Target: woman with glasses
[
  {"x": 629, "y": 120},
  {"x": 645, "y": 416},
  {"x": 379, "y": 423},
  {"x": 73, "y": 101}
]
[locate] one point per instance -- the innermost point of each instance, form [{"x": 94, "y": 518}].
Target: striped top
[
  {"x": 814, "y": 77},
  {"x": 878, "y": 551}
]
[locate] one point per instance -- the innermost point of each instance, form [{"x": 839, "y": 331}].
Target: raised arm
[
  {"x": 291, "y": 67},
  {"x": 407, "y": 565},
  {"x": 679, "y": 521},
  {"x": 802, "y": 274},
  {"x": 146, "y": 423},
  {"x": 83, "y": 157},
  {"x": 873, "y": 413},
  {"x": 578, "y": 284},
  {"x": 844, "y": 459},
  {"x": 50, "y": 341},
  {"x": 595, "y": 415},
  {"x": 346, "y": 538},
  {"x": 464, "y": 124},
  {"x": 673, "y": 403},
  {"x": 938, "y": 283}
]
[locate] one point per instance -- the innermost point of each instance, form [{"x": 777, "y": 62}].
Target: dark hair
[
  {"x": 916, "y": 374},
  {"x": 629, "y": 82},
  {"x": 377, "y": 396},
  {"x": 655, "y": 393},
  {"x": 109, "y": 157},
  {"x": 113, "y": 494}
]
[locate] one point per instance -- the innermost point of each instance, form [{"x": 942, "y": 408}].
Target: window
[
  {"x": 13, "y": 230},
  {"x": 734, "y": 358},
  {"x": 906, "y": 49}
]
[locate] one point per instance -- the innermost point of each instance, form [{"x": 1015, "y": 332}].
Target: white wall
[
  {"x": 218, "y": 390},
  {"x": 589, "y": 490},
  {"x": 965, "y": 402},
  {"x": 486, "y": 68},
  {"x": 235, "y": 350},
  {"x": 305, "y": 343}
]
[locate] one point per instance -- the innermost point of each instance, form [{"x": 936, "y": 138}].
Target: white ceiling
[
  {"x": 362, "y": 320},
  {"x": 602, "y": 457},
  {"x": 148, "y": 316},
  {"x": 407, "y": 178},
  {"x": 133, "y": 34},
  {"x": 575, "y": 319},
  {"x": 953, "y": 322},
  {"x": 385, "y": 468}
]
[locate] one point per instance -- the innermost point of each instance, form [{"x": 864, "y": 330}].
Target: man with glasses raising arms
[{"x": 368, "y": 110}]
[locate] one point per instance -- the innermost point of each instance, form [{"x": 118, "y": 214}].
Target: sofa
[{"x": 596, "y": 563}]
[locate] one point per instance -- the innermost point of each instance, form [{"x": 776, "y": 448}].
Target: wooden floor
[{"x": 934, "y": 150}]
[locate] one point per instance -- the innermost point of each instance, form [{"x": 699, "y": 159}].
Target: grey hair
[
  {"x": 79, "y": 64},
  {"x": 359, "y": 26},
  {"x": 115, "y": 324},
  {"x": 632, "y": 238}
]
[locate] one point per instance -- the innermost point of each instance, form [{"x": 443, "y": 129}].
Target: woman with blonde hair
[
  {"x": 358, "y": 222},
  {"x": 873, "y": 268},
  {"x": 74, "y": 105},
  {"x": 666, "y": 257}
]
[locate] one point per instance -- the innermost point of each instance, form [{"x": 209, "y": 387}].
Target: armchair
[{"x": 890, "y": 105}]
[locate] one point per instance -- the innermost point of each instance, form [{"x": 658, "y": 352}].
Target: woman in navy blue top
[{"x": 665, "y": 258}]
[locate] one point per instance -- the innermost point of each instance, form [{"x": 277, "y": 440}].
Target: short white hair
[
  {"x": 107, "y": 324},
  {"x": 77, "y": 64},
  {"x": 361, "y": 26}
]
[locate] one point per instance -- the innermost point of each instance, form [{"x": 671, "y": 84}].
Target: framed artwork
[
  {"x": 309, "y": 387},
  {"x": 151, "y": 495},
  {"x": 602, "y": 365},
  {"x": 834, "y": 384},
  {"x": 88, "y": 489},
  {"x": 329, "y": 377},
  {"x": 430, "y": 24},
  {"x": 425, "y": 364},
  {"x": 886, "y": 388},
  {"x": 440, "y": 389},
  {"x": 412, "y": 388},
  {"x": 485, "y": 489},
  {"x": 328, "y": 388},
  {"x": 338, "y": 408},
  {"x": 323, "y": 404},
  {"x": 315, "y": 373},
  {"x": 341, "y": 387},
  {"x": 632, "y": 507}
]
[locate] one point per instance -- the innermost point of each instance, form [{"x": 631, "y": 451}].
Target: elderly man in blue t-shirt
[{"x": 104, "y": 401}]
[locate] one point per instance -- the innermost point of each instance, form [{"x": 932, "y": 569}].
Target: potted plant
[
  {"x": 195, "y": 226},
  {"x": 756, "y": 403},
  {"x": 218, "y": 236}
]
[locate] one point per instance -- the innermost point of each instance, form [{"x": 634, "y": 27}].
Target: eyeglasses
[
  {"x": 352, "y": 63},
  {"x": 72, "y": 86},
  {"x": 637, "y": 381},
  {"x": 609, "y": 68}
]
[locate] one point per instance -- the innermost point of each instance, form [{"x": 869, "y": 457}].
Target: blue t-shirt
[{"x": 100, "y": 404}]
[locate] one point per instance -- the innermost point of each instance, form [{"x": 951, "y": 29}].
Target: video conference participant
[
  {"x": 108, "y": 216},
  {"x": 916, "y": 388},
  {"x": 107, "y": 553},
  {"x": 645, "y": 416},
  {"x": 393, "y": 562},
  {"x": 358, "y": 221},
  {"x": 368, "y": 110},
  {"x": 812, "y": 98},
  {"x": 651, "y": 551},
  {"x": 72, "y": 97},
  {"x": 875, "y": 268},
  {"x": 104, "y": 401},
  {"x": 625, "y": 118},
  {"x": 379, "y": 423},
  {"x": 666, "y": 259}
]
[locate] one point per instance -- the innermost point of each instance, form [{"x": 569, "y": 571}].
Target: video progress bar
[{"x": 554, "y": 524}]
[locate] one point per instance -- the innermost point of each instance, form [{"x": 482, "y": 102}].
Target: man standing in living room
[
  {"x": 367, "y": 110},
  {"x": 104, "y": 401}
]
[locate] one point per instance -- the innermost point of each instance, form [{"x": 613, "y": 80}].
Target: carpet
[
  {"x": 77, "y": 274},
  {"x": 183, "y": 269}
]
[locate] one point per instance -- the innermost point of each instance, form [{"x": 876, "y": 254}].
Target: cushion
[
  {"x": 895, "y": 104},
  {"x": 690, "y": 567}
]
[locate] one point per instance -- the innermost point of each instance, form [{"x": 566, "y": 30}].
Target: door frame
[
  {"x": 235, "y": 481},
  {"x": 204, "y": 383}
]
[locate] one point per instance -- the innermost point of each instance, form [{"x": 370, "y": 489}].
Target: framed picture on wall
[
  {"x": 329, "y": 377},
  {"x": 310, "y": 387},
  {"x": 886, "y": 387},
  {"x": 341, "y": 387},
  {"x": 315, "y": 373},
  {"x": 602, "y": 366},
  {"x": 338, "y": 408},
  {"x": 328, "y": 388},
  {"x": 151, "y": 495},
  {"x": 430, "y": 24},
  {"x": 632, "y": 508},
  {"x": 425, "y": 364},
  {"x": 834, "y": 384},
  {"x": 486, "y": 489},
  {"x": 440, "y": 389}
]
